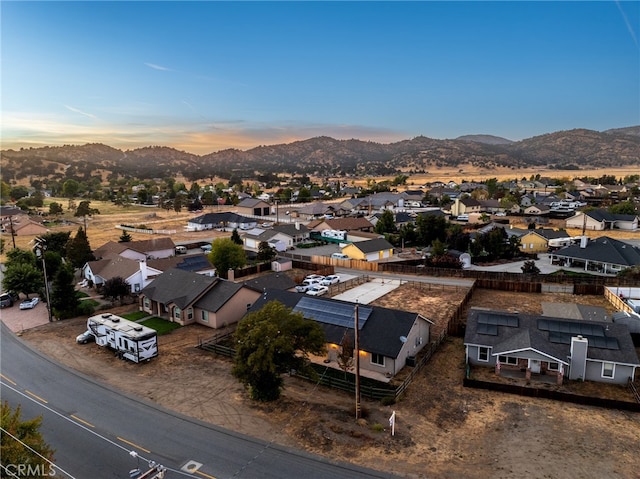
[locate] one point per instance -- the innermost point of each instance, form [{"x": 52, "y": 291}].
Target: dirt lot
[{"x": 443, "y": 430}]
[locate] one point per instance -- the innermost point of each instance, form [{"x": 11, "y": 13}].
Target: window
[
  {"x": 177, "y": 312},
  {"x": 483, "y": 354},
  {"x": 418, "y": 341},
  {"x": 553, "y": 366},
  {"x": 190, "y": 313},
  {"x": 136, "y": 287},
  {"x": 508, "y": 360},
  {"x": 377, "y": 359},
  {"x": 204, "y": 315},
  {"x": 608, "y": 370},
  {"x": 147, "y": 303}
]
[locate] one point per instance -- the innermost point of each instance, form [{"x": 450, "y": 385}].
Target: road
[{"x": 94, "y": 429}]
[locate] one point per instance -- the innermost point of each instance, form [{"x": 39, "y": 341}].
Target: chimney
[
  {"x": 143, "y": 269},
  {"x": 231, "y": 274},
  {"x": 584, "y": 240},
  {"x": 297, "y": 225},
  {"x": 578, "y": 362}
]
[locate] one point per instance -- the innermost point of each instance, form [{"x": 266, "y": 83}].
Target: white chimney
[
  {"x": 297, "y": 225},
  {"x": 584, "y": 240}
]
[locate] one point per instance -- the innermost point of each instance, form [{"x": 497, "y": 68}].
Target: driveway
[{"x": 18, "y": 320}]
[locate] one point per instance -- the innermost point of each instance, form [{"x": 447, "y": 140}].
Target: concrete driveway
[{"x": 368, "y": 292}]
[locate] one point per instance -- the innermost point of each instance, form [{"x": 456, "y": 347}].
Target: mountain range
[{"x": 323, "y": 156}]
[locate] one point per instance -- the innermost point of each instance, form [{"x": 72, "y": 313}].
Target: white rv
[{"x": 128, "y": 339}]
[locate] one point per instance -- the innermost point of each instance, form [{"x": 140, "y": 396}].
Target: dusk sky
[{"x": 205, "y": 76}]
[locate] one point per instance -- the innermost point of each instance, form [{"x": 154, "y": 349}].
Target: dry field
[{"x": 443, "y": 430}]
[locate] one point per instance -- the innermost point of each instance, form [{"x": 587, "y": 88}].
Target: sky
[{"x": 206, "y": 76}]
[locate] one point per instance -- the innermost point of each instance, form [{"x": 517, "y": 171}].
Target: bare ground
[{"x": 443, "y": 430}]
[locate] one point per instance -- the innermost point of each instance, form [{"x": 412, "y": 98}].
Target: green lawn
[
  {"x": 135, "y": 315},
  {"x": 162, "y": 326}
]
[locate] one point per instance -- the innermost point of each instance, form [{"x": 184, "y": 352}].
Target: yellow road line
[
  {"x": 35, "y": 396},
  {"x": 7, "y": 379},
  {"x": 82, "y": 421},
  {"x": 134, "y": 445},
  {"x": 204, "y": 475}
]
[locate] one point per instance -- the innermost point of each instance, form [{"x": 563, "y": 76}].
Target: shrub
[
  {"x": 86, "y": 308},
  {"x": 388, "y": 400},
  {"x": 377, "y": 427}
]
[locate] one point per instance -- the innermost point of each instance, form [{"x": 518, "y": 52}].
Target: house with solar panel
[
  {"x": 537, "y": 347},
  {"x": 389, "y": 339}
]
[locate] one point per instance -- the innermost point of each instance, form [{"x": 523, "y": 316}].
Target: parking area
[
  {"x": 18, "y": 320},
  {"x": 368, "y": 292}
]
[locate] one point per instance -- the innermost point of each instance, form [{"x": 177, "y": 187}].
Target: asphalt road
[{"x": 94, "y": 428}]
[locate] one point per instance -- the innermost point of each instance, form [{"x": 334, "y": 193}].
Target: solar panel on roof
[
  {"x": 337, "y": 314},
  {"x": 571, "y": 327},
  {"x": 498, "y": 319},
  {"x": 491, "y": 329}
]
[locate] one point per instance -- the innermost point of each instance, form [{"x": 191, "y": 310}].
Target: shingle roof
[
  {"x": 114, "y": 266},
  {"x": 178, "y": 286},
  {"x": 604, "y": 250},
  {"x": 373, "y": 245},
  {"x": 349, "y": 223},
  {"x": 604, "y": 215},
  {"x": 217, "y": 296},
  {"x": 270, "y": 281},
  {"x": 380, "y": 334},
  {"x": 251, "y": 202},
  {"x": 220, "y": 218},
  {"x": 527, "y": 335}
]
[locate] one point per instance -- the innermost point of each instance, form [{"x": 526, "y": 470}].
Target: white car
[
  {"x": 29, "y": 303},
  {"x": 329, "y": 280},
  {"x": 319, "y": 277},
  {"x": 307, "y": 284},
  {"x": 317, "y": 290}
]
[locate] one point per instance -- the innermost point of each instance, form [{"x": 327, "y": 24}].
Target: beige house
[{"x": 186, "y": 298}]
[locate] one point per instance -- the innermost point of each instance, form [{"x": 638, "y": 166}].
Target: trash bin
[{"x": 411, "y": 361}]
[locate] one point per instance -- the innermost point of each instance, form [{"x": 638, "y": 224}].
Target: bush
[
  {"x": 377, "y": 427},
  {"x": 86, "y": 308},
  {"x": 388, "y": 400}
]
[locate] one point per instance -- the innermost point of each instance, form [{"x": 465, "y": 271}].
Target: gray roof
[
  {"x": 373, "y": 245},
  {"x": 291, "y": 229},
  {"x": 604, "y": 250},
  {"x": 251, "y": 202},
  {"x": 270, "y": 281},
  {"x": 380, "y": 334},
  {"x": 221, "y": 218},
  {"x": 604, "y": 215},
  {"x": 217, "y": 296},
  {"x": 179, "y": 287},
  {"x": 528, "y": 335}
]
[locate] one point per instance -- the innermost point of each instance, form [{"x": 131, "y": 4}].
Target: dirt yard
[{"x": 443, "y": 430}]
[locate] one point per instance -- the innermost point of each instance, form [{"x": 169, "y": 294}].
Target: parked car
[
  {"x": 7, "y": 299},
  {"x": 206, "y": 248},
  {"x": 329, "y": 280},
  {"x": 29, "y": 303},
  {"x": 319, "y": 277},
  {"x": 306, "y": 284},
  {"x": 317, "y": 290},
  {"x": 85, "y": 337},
  {"x": 339, "y": 256}
]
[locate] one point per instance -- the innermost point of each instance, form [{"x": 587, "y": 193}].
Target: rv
[{"x": 128, "y": 339}]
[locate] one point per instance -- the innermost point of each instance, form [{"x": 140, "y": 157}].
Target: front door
[{"x": 534, "y": 365}]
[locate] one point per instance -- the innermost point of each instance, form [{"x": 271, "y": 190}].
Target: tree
[
  {"x": 386, "y": 223},
  {"x": 64, "y": 301},
  {"x": 265, "y": 252},
  {"x": 78, "y": 249},
  {"x": 56, "y": 242},
  {"x": 529, "y": 267},
  {"x": 70, "y": 188},
  {"x": 225, "y": 255},
  {"x": 235, "y": 237},
  {"x": 116, "y": 288},
  {"x": 21, "y": 273},
  {"x": 345, "y": 355},
  {"x": 84, "y": 209},
  {"x": 23, "y": 444},
  {"x": 125, "y": 237},
  {"x": 272, "y": 341},
  {"x": 624, "y": 208}
]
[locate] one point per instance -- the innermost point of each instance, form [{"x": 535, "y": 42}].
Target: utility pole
[
  {"x": 357, "y": 360},
  {"x": 39, "y": 249}
]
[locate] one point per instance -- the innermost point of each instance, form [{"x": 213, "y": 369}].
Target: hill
[{"x": 324, "y": 156}]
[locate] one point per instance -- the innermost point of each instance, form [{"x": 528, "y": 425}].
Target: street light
[{"x": 39, "y": 249}]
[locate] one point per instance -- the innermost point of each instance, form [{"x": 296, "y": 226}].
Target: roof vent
[
  {"x": 115, "y": 319},
  {"x": 137, "y": 328},
  {"x": 106, "y": 315}
]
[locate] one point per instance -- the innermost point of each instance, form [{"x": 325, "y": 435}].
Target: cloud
[
  {"x": 76, "y": 110},
  {"x": 158, "y": 67},
  {"x": 626, "y": 21}
]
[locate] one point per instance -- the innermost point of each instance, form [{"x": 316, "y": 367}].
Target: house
[
  {"x": 537, "y": 210},
  {"x": 281, "y": 237},
  {"x": 138, "y": 250},
  {"x": 274, "y": 280},
  {"x": 254, "y": 207},
  {"x": 601, "y": 255},
  {"x": 369, "y": 250},
  {"x": 196, "y": 263},
  {"x": 227, "y": 221},
  {"x": 28, "y": 227},
  {"x": 136, "y": 273},
  {"x": 601, "y": 219},
  {"x": 186, "y": 298},
  {"x": 465, "y": 206},
  {"x": 349, "y": 224},
  {"x": 314, "y": 210},
  {"x": 537, "y": 241},
  {"x": 387, "y": 337},
  {"x": 530, "y": 346}
]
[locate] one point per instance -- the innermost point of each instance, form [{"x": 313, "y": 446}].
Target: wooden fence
[{"x": 551, "y": 394}]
